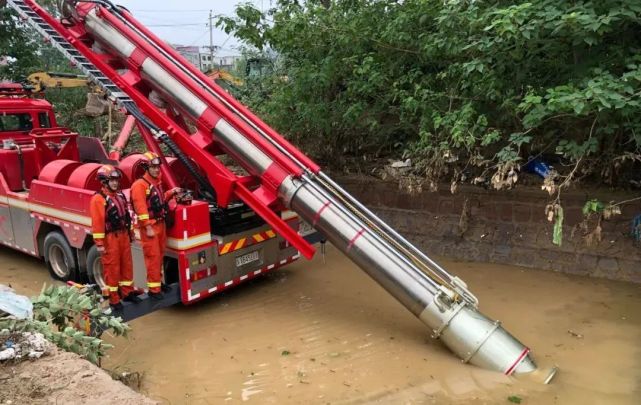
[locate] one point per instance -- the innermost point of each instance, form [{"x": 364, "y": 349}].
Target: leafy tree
[
  {"x": 465, "y": 85},
  {"x": 17, "y": 48}
]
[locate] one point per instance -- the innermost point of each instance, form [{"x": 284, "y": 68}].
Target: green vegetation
[
  {"x": 460, "y": 86},
  {"x": 69, "y": 318},
  {"x": 469, "y": 90},
  {"x": 17, "y": 44}
]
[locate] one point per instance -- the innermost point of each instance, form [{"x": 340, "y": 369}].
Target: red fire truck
[
  {"x": 246, "y": 178},
  {"x": 48, "y": 175}
]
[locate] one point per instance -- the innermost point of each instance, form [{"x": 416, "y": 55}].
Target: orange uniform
[
  {"x": 150, "y": 204},
  {"x": 110, "y": 225}
]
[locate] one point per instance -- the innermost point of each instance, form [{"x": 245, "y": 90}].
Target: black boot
[
  {"x": 116, "y": 307},
  {"x": 165, "y": 288},
  {"x": 156, "y": 296},
  {"x": 133, "y": 297}
]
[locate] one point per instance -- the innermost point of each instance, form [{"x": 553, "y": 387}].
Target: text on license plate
[{"x": 248, "y": 258}]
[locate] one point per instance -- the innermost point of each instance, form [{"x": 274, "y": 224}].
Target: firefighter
[
  {"x": 111, "y": 227},
  {"x": 150, "y": 205}
]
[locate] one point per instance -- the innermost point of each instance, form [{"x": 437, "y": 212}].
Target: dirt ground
[
  {"x": 323, "y": 332},
  {"x": 63, "y": 378}
]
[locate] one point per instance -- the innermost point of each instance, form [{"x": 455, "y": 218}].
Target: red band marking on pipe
[
  {"x": 524, "y": 353},
  {"x": 358, "y": 235},
  {"x": 318, "y": 214},
  {"x": 138, "y": 57}
]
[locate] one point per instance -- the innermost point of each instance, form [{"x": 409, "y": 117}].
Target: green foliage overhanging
[
  {"x": 480, "y": 84},
  {"x": 18, "y": 50}
]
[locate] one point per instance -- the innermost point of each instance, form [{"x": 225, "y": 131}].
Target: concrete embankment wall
[{"x": 508, "y": 227}]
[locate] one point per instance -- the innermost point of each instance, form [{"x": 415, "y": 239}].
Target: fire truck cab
[{"x": 20, "y": 113}]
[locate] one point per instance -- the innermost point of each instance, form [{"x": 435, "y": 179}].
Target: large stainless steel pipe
[
  {"x": 471, "y": 335},
  {"x": 467, "y": 332}
]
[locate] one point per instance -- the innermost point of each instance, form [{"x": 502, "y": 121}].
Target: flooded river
[{"x": 323, "y": 332}]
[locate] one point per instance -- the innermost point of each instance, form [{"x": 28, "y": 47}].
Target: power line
[
  {"x": 200, "y": 37},
  {"x": 169, "y": 11},
  {"x": 220, "y": 48},
  {"x": 149, "y": 19},
  {"x": 177, "y": 25}
]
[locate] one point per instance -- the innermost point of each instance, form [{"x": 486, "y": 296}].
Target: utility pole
[{"x": 211, "y": 39}]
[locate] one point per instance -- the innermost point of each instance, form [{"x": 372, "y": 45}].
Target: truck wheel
[
  {"x": 59, "y": 257},
  {"x": 94, "y": 268}
]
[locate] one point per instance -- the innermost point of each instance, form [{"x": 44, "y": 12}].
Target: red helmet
[
  {"x": 150, "y": 159},
  {"x": 108, "y": 172}
]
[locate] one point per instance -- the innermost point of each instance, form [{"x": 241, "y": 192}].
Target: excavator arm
[
  {"x": 226, "y": 77},
  {"x": 47, "y": 80}
]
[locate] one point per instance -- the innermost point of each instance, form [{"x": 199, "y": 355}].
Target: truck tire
[
  {"x": 94, "y": 268},
  {"x": 59, "y": 257}
]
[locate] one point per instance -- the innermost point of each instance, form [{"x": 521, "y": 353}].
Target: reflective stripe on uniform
[
  {"x": 126, "y": 283},
  {"x": 113, "y": 289},
  {"x": 152, "y": 285},
  {"x": 143, "y": 216},
  {"x": 98, "y": 235}
]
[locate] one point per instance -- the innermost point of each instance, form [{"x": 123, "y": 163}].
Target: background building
[
  {"x": 226, "y": 62},
  {"x": 190, "y": 53},
  {"x": 202, "y": 58}
]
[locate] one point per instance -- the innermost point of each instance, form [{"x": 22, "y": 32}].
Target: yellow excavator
[
  {"x": 46, "y": 80},
  {"x": 223, "y": 77},
  {"x": 96, "y": 104}
]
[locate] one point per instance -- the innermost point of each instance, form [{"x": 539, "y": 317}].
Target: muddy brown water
[{"x": 323, "y": 332}]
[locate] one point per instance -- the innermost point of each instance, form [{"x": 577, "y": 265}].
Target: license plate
[
  {"x": 305, "y": 229},
  {"x": 248, "y": 258}
]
